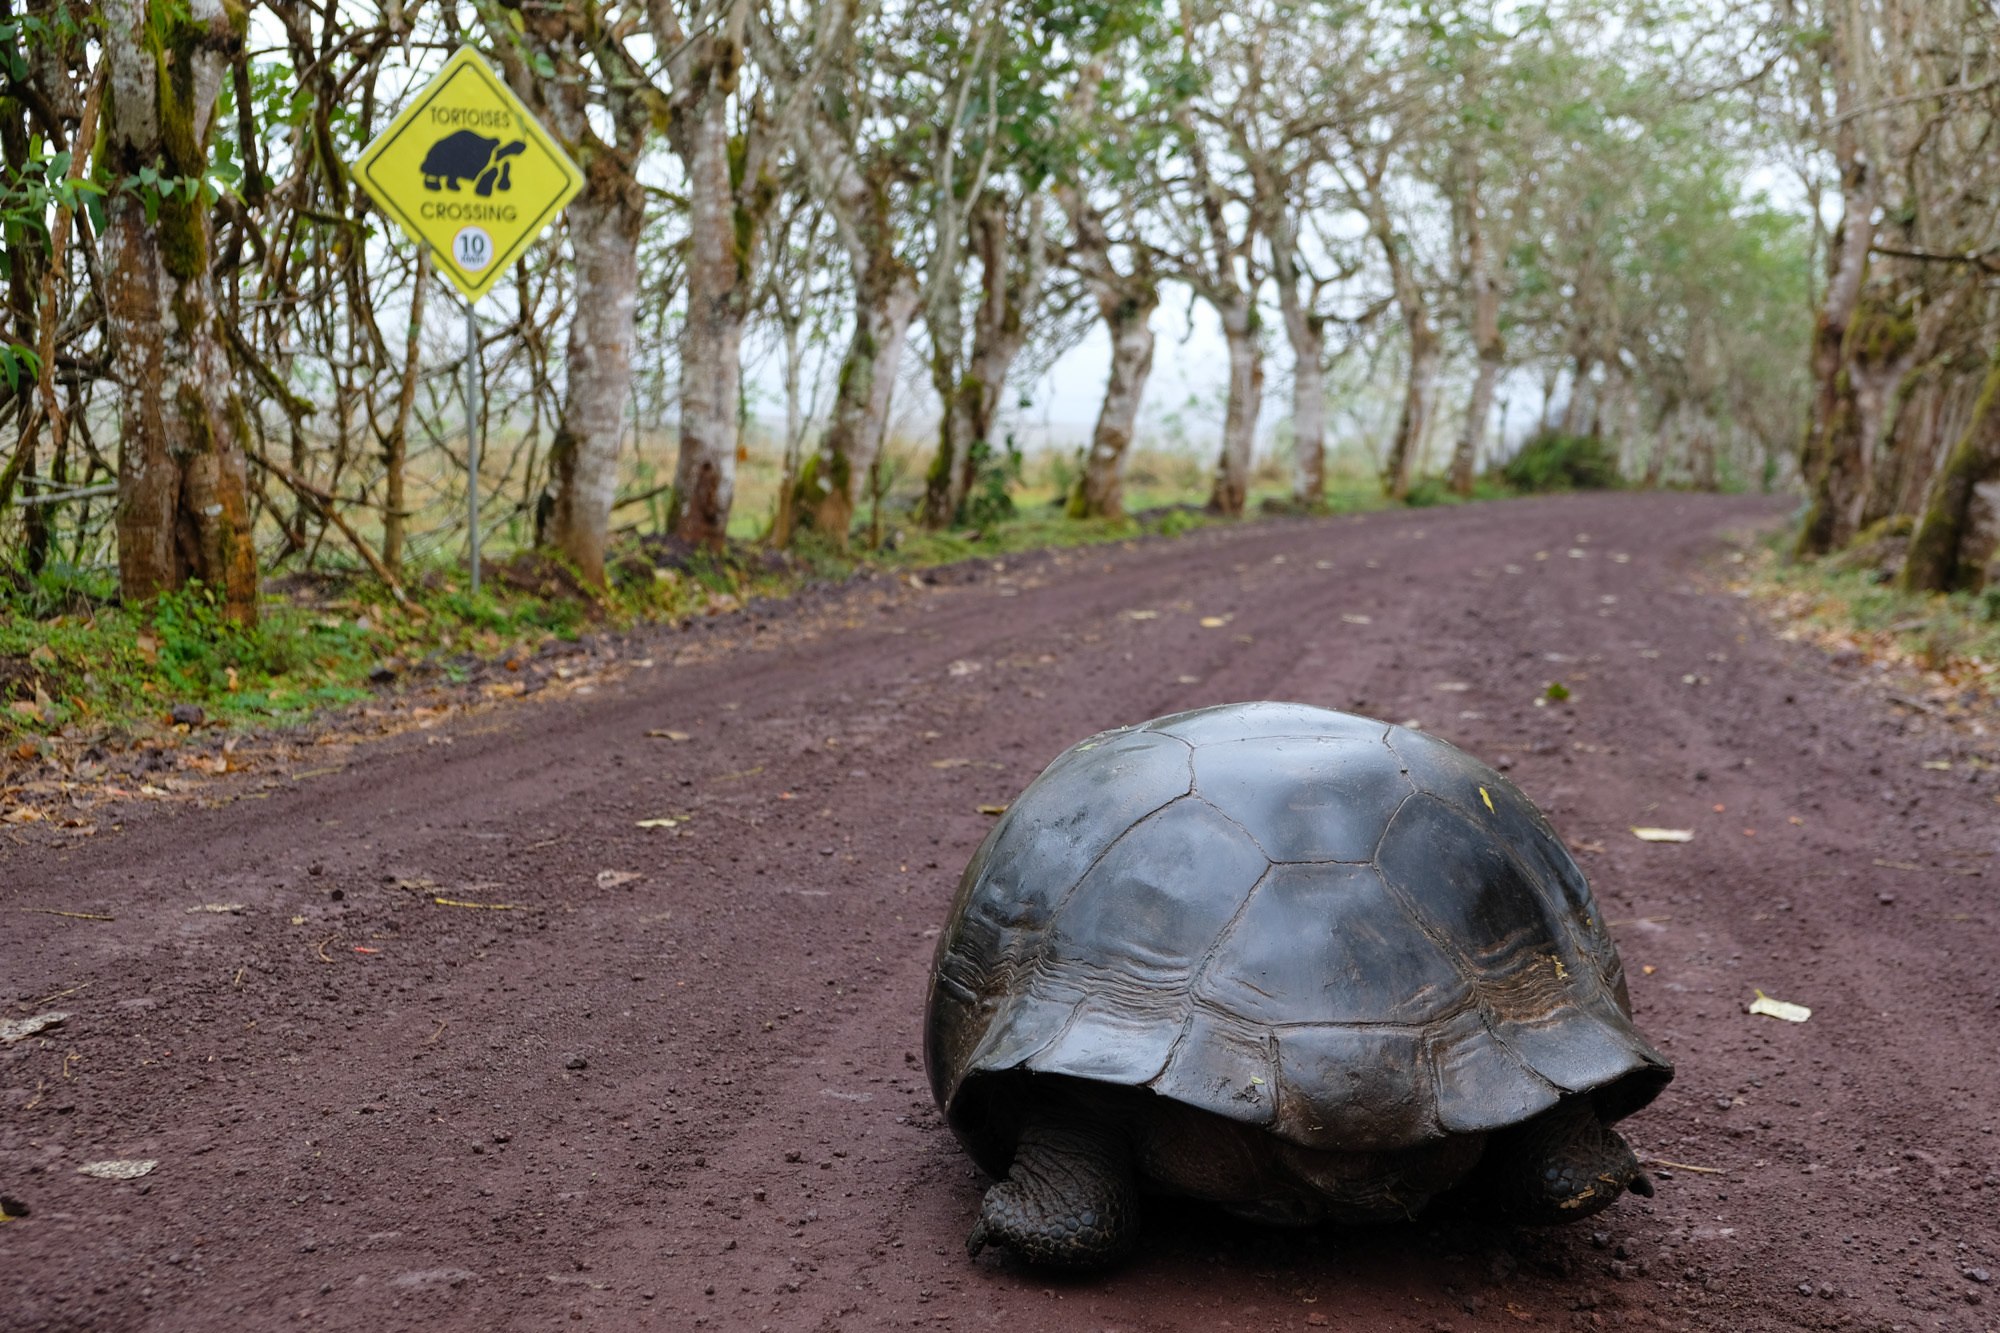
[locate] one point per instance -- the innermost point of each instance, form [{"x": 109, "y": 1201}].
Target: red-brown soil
[{"x": 693, "y": 1099}]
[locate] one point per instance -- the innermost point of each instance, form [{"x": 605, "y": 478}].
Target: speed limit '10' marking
[{"x": 472, "y": 248}]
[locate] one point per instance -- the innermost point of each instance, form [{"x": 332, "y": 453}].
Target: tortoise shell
[{"x": 1347, "y": 933}]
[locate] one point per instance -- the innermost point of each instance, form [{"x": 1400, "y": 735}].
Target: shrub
[{"x": 1557, "y": 462}]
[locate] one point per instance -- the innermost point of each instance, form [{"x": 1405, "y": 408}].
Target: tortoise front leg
[
  {"x": 1563, "y": 1165},
  {"x": 1070, "y": 1199}
]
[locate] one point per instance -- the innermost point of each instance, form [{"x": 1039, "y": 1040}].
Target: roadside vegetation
[
  {"x": 78, "y": 668},
  {"x": 1940, "y": 651},
  {"x": 827, "y": 254}
]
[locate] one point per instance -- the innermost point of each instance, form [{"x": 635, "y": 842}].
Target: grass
[
  {"x": 77, "y": 665},
  {"x": 1951, "y": 641}
]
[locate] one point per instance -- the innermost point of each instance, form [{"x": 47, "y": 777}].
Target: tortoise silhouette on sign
[{"x": 465, "y": 155}]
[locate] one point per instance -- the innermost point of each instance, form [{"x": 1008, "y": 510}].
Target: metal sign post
[
  {"x": 473, "y": 431},
  {"x": 468, "y": 171}
]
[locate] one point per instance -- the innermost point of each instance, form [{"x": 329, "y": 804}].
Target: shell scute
[
  {"x": 1330, "y": 944},
  {"x": 1225, "y": 1065},
  {"x": 1303, "y": 798},
  {"x": 1152, "y": 906},
  {"x": 1353, "y": 1087},
  {"x": 1481, "y": 1084}
]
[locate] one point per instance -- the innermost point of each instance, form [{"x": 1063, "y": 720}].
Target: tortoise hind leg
[
  {"x": 1070, "y": 1199},
  {"x": 1563, "y": 1165}
]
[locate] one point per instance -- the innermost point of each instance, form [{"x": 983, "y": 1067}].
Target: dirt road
[{"x": 692, "y": 1098}]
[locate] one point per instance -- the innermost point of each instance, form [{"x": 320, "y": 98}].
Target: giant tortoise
[{"x": 1305, "y": 965}]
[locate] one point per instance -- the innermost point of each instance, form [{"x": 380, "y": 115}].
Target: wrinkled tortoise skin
[{"x": 1345, "y": 933}]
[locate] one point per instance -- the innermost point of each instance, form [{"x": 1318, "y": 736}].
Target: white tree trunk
[
  {"x": 1100, "y": 491},
  {"x": 1308, "y": 340},
  {"x": 712, "y": 341},
  {"x": 1231, "y": 491},
  {"x": 604, "y": 226},
  {"x": 1485, "y": 323},
  {"x": 1470, "y": 453}
]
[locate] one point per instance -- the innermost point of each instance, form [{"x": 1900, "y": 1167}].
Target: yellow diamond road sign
[{"x": 469, "y": 172}]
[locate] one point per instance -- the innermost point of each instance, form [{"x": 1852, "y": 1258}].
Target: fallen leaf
[
  {"x": 23, "y": 814},
  {"x": 1142, "y": 615},
  {"x": 43, "y": 655},
  {"x": 1214, "y": 622},
  {"x": 992, "y": 809},
  {"x": 1663, "y": 834},
  {"x": 1556, "y": 692},
  {"x": 1488, "y": 799},
  {"x": 1785, "y": 1009},
  {"x": 128, "y": 1169},
  {"x": 949, "y": 763},
  {"x": 1452, "y": 686},
  {"x": 460, "y": 902},
  {"x": 611, "y": 879},
  {"x": 232, "y": 908},
  {"x": 659, "y": 823},
  {"x": 1353, "y": 619},
  {"x": 660, "y": 734},
  {"x": 964, "y": 666},
  {"x": 21, "y": 708},
  {"x": 18, "y": 1029},
  {"x": 1942, "y": 765}
]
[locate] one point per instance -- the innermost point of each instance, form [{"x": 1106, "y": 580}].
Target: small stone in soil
[{"x": 576, "y": 1062}]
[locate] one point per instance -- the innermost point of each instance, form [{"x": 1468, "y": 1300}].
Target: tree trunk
[
  {"x": 1305, "y": 331},
  {"x": 946, "y": 484},
  {"x": 1010, "y": 292},
  {"x": 1576, "y": 413},
  {"x": 1406, "y": 449},
  {"x": 1246, "y": 395},
  {"x": 396, "y": 448},
  {"x": 1485, "y": 323},
  {"x": 1426, "y": 351},
  {"x": 1941, "y": 558},
  {"x": 1100, "y": 491},
  {"x": 604, "y": 223},
  {"x": 786, "y": 516},
  {"x": 828, "y": 488},
  {"x": 183, "y": 511},
  {"x": 1831, "y": 458},
  {"x": 1469, "y": 453},
  {"x": 711, "y": 344}
]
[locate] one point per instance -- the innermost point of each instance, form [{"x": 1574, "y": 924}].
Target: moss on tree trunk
[{"x": 1938, "y": 560}]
